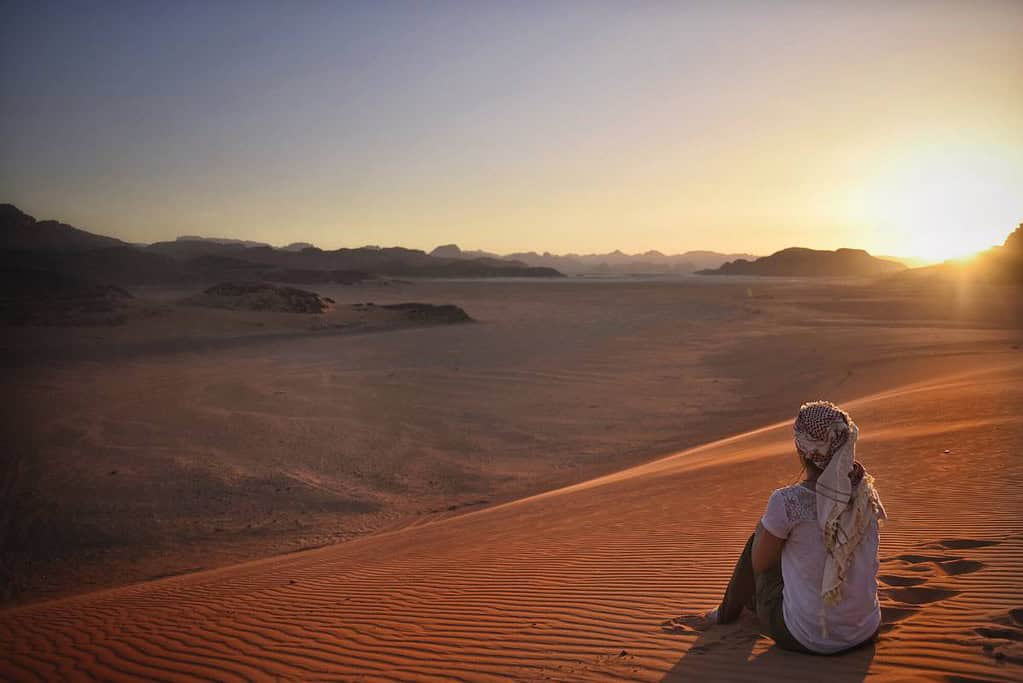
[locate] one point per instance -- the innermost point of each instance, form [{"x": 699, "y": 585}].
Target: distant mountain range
[
  {"x": 26, "y": 243},
  {"x": 54, "y": 247},
  {"x": 800, "y": 262},
  {"x": 612, "y": 263}
]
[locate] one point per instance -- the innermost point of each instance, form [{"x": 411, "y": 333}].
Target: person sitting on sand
[{"x": 822, "y": 596}]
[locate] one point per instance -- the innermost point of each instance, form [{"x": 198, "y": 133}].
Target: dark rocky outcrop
[
  {"x": 800, "y": 262},
  {"x": 431, "y": 313},
  {"x": 259, "y": 296},
  {"x": 39, "y": 297}
]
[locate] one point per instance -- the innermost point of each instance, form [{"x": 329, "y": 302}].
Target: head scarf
[{"x": 826, "y": 436}]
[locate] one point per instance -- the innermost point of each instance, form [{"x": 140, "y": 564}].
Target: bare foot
[{"x": 697, "y": 622}]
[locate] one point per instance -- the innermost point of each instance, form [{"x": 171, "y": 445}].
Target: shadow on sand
[{"x": 727, "y": 652}]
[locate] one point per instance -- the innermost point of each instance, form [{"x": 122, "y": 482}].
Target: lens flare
[{"x": 944, "y": 201}]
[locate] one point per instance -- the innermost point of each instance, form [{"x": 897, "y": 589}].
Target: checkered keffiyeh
[
  {"x": 826, "y": 436},
  {"x": 821, "y": 428}
]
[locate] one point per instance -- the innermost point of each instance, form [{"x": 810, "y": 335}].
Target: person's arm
[{"x": 766, "y": 550}]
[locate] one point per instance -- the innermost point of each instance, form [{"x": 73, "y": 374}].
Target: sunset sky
[{"x": 561, "y": 126}]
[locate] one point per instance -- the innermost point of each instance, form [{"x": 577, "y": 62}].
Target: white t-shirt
[{"x": 792, "y": 514}]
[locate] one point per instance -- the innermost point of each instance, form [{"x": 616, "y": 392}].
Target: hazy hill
[
  {"x": 798, "y": 261},
  {"x": 298, "y": 246},
  {"x": 18, "y": 230},
  {"x": 908, "y": 261},
  {"x": 294, "y": 246},
  {"x": 615, "y": 262}
]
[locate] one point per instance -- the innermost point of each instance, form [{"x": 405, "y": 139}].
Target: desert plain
[{"x": 224, "y": 495}]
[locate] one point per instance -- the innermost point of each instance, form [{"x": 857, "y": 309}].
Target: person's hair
[{"x": 809, "y": 466}]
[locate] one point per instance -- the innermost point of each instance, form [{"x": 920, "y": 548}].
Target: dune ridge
[{"x": 581, "y": 583}]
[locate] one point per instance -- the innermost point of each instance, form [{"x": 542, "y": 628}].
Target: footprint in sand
[
  {"x": 909, "y": 600},
  {"x": 964, "y": 543},
  {"x": 896, "y": 580},
  {"x": 919, "y": 595},
  {"x": 1000, "y": 633},
  {"x": 1003, "y": 639},
  {"x": 957, "y": 567},
  {"x": 950, "y": 565},
  {"x": 890, "y": 616},
  {"x": 911, "y": 592}
]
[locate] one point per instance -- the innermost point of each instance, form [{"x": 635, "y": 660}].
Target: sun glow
[{"x": 944, "y": 202}]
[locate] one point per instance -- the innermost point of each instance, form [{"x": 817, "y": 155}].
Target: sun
[{"x": 941, "y": 202}]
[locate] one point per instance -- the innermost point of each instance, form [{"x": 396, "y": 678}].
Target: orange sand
[
  {"x": 190, "y": 439},
  {"x": 575, "y": 584}
]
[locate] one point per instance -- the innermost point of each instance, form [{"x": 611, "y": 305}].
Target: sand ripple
[{"x": 575, "y": 584}]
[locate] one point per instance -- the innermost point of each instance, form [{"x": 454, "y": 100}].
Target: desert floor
[{"x": 177, "y": 442}]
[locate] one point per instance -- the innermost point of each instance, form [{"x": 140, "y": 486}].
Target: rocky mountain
[
  {"x": 801, "y": 262},
  {"x": 18, "y": 230},
  {"x": 49, "y": 246}
]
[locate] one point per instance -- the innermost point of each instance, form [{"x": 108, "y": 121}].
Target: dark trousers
[{"x": 760, "y": 593}]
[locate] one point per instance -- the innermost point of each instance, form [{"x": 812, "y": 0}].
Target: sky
[{"x": 549, "y": 126}]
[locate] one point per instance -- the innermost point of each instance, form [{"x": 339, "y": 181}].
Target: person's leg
[
  {"x": 769, "y": 589},
  {"x": 742, "y": 587}
]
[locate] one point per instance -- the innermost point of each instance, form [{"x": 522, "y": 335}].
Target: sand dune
[
  {"x": 198, "y": 438},
  {"x": 578, "y": 584}
]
